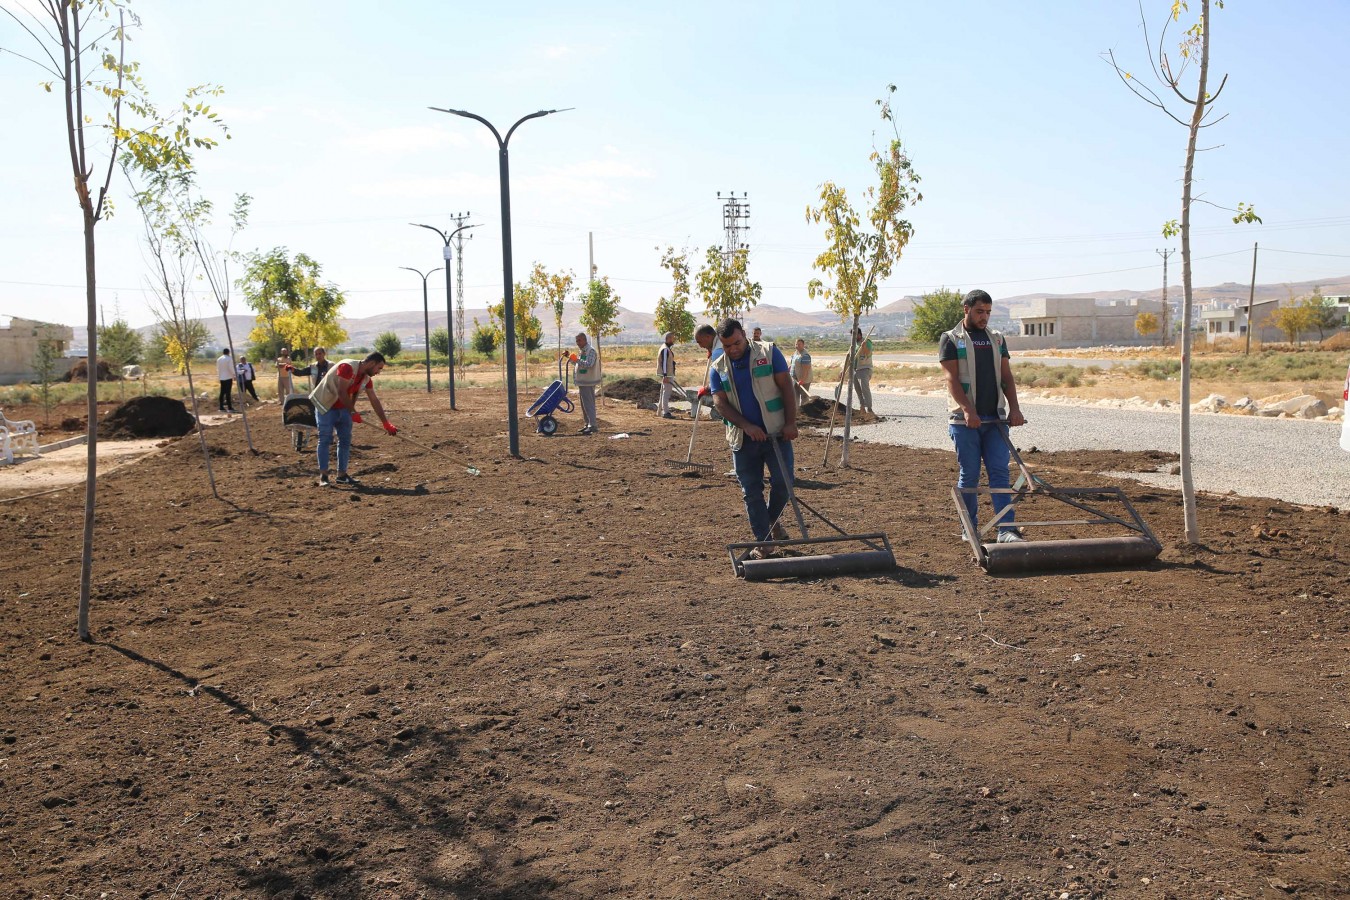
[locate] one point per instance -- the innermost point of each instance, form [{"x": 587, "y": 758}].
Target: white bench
[{"x": 20, "y": 437}]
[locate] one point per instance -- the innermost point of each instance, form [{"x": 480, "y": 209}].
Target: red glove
[
  {"x": 356, "y": 417},
  {"x": 575, "y": 358},
  {"x": 704, "y": 391},
  {"x": 389, "y": 427}
]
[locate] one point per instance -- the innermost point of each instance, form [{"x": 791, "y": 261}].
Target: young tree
[
  {"x": 294, "y": 308},
  {"x": 1321, "y": 315},
  {"x": 1146, "y": 323},
  {"x": 120, "y": 344},
  {"x": 82, "y": 46},
  {"x": 1293, "y": 320},
  {"x": 600, "y": 310},
  {"x": 484, "y": 338},
  {"x": 554, "y": 289},
  {"x": 194, "y": 216},
  {"x": 936, "y": 312},
  {"x": 672, "y": 313},
  {"x": 1194, "y": 103},
  {"x": 724, "y": 284},
  {"x": 388, "y": 344},
  {"x": 528, "y": 327},
  {"x": 440, "y": 341},
  {"x": 857, "y": 259},
  {"x": 173, "y": 269},
  {"x": 46, "y": 358}
]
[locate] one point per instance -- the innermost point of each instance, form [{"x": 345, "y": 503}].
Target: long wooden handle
[{"x": 698, "y": 407}]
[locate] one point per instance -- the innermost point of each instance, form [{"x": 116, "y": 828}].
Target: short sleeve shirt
[
  {"x": 740, "y": 374},
  {"x": 986, "y": 373},
  {"x": 346, "y": 372}
]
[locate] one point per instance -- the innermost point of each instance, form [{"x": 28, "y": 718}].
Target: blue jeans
[
  {"x": 339, "y": 420},
  {"x": 986, "y": 444},
  {"x": 750, "y": 461}
]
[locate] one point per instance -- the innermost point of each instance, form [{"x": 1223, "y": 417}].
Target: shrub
[{"x": 388, "y": 345}]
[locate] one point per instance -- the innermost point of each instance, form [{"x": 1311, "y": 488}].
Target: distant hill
[{"x": 778, "y": 322}]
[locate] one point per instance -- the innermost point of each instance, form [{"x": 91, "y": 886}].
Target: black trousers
[
  {"x": 248, "y": 386},
  {"x": 227, "y": 393}
]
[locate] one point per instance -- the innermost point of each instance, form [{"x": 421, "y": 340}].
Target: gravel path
[{"x": 1294, "y": 460}]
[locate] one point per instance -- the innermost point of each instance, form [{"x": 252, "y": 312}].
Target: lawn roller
[
  {"x": 763, "y": 560},
  {"x": 1135, "y": 548}
]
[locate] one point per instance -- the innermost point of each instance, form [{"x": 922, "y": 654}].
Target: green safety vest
[
  {"x": 767, "y": 394},
  {"x": 965, "y": 367}
]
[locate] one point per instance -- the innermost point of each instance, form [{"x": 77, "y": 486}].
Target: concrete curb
[{"x": 68, "y": 442}]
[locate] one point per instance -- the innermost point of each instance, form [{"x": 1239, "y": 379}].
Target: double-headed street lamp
[
  {"x": 426, "y": 317},
  {"x": 449, "y": 298},
  {"x": 508, "y": 292}
]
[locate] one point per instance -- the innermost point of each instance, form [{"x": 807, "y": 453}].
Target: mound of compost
[
  {"x": 144, "y": 417},
  {"x": 80, "y": 372},
  {"x": 636, "y": 390}
]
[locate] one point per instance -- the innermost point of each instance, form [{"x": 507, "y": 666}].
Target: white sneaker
[{"x": 1010, "y": 537}]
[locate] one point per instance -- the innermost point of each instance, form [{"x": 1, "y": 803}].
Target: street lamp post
[
  {"x": 447, "y": 237},
  {"x": 426, "y": 320},
  {"x": 508, "y": 294}
]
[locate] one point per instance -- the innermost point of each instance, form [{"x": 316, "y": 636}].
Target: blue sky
[{"x": 1041, "y": 171}]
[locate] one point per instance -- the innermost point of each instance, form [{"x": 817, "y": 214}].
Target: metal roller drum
[
  {"x": 1085, "y": 553},
  {"x": 826, "y": 566}
]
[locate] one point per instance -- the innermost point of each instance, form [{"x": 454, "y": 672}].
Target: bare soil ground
[{"x": 544, "y": 681}]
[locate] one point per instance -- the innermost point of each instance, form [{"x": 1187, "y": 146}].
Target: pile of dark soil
[
  {"x": 817, "y": 411},
  {"x": 144, "y": 417},
  {"x": 80, "y": 372},
  {"x": 299, "y": 411},
  {"x": 636, "y": 390}
]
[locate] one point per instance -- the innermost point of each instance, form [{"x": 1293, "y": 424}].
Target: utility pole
[
  {"x": 735, "y": 222},
  {"x": 1166, "y": 310},
  {"x": 1251, "y": 295},
  {"x": 458, "y": 236}
]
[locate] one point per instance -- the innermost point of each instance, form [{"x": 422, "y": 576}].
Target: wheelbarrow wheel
[
  {"x": 298, "y": 439},
  {"x": 548, "y": 426}
]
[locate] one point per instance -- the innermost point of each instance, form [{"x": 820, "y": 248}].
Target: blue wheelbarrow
[{"x": 553, "y": 399}]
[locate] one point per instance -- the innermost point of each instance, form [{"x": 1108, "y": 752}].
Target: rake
[
  {"x": 687, "y": 464},
  {"x": 472, "y": 470}
]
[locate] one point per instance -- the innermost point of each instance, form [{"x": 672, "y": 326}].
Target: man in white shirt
[{"x": 225, "y": 373}]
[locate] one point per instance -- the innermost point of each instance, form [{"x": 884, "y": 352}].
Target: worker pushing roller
[
  {"x": 758, "y": 400},
  {"x": 983, "y": 406}
]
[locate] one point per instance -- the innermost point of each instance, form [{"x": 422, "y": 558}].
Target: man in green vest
[
  {"x": 755, "y": 395},
  {"x": 982, "y": 396}
]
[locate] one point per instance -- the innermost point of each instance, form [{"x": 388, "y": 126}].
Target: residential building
[
  {"x": 19, "y": 340},
  {"x": 1233, "y": 322},
  {"x": 1060, "y": 322}
]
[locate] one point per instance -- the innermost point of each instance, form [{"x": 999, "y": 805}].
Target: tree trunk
[
  {"x": 1187, "y": 481},
  {"x": 848, "y": 402},
  {"x": 243, "y": 403},
  {"x": 91, "y": 428},
  {"x": 201, "y": 431}
]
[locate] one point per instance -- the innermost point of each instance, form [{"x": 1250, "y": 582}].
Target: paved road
[{"x": 1290, "y": 459}]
